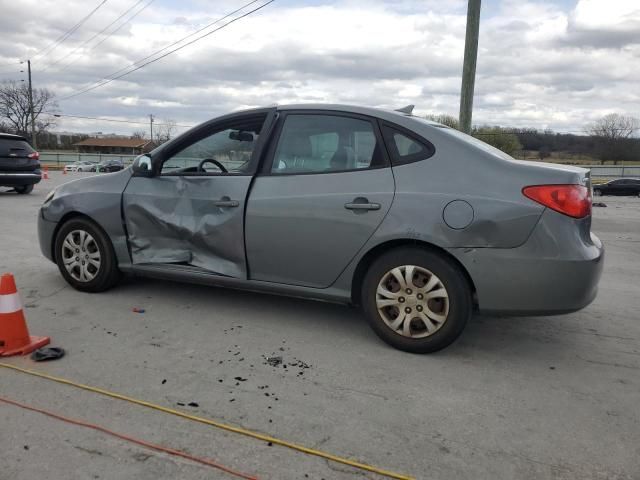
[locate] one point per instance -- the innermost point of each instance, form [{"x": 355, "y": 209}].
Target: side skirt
[{"x": 190, "y": 274}]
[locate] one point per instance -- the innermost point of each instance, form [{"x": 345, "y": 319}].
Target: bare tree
[
  {"x": 139, "y": 135},
  {"x": 165, "y": 131},
  {"x": 612, "y": 133},
  {"x": 14, "y": 107}
]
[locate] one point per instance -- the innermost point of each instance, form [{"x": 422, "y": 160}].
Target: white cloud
[{"x": 539, "y": 64}]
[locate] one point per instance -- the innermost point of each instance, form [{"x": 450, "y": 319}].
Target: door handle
[
  {"x": 361, "y": 204},
  {"x": 226, "y": 202}
]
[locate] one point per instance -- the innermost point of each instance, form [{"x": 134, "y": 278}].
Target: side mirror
[{"x": 142, "y": 166}]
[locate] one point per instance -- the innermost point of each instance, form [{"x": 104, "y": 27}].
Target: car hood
[{"x": 106, "y": 182}]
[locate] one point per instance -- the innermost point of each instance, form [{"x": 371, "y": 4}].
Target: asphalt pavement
[{"x": 514, "y": 398}]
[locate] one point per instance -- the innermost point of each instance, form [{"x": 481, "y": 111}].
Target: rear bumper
[
  {"x": 46, "y": 230},
  {"x": 556, "y": 271},
  {"x": 17, "y": 179}
]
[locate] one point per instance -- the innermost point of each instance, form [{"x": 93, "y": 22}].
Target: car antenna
[{"x": 408, "y": 109}]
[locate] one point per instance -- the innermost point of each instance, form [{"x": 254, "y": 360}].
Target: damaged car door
[{"x": 188, "y": 211}]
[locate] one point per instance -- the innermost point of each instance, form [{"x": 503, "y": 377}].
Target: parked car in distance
[
  {"x": 81, "y": 166},
  {"x": 19, "y": 163},
  {"x": 356, "y": 205},
  {"x": 109, "y": 166},
  {"x": 620, "y": 186}
]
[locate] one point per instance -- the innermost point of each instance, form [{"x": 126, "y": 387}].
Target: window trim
[
  {"x": 265, "y": 168},
  {"x": 209, "y": 128},
  {"x": 387, "y": 129}
]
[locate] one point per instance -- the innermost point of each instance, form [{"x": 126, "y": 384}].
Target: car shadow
[{"x": 502, "y": 337}]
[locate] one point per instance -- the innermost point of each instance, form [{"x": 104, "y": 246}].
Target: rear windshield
[{"x": 10, "y": 147}]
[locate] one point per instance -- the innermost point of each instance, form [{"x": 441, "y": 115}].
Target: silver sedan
[{"x": 415, "y": 222}]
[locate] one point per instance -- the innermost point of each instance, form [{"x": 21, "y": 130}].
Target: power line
[
  {"x": 94, "y": 36},
  {"x": 113, "y": 32},
  {"x": 180, "y": 40},
  {"x": 69, "y": 32},
  {"x": 10, "y": 64},
  {"x": 170, "y": 45},
  {"x": 103, "y": 119},
  {"x": 144, "y": 7},
  {"x": 109, "y": 80}
]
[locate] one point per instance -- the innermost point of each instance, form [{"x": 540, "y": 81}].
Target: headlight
[{"x": 49, "y": 196}]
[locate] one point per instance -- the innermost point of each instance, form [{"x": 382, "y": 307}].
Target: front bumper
[
  {"x": 555, "y": 271},
  {"x": 46, "y": 231},
  {"x": 19, "y": 179}
]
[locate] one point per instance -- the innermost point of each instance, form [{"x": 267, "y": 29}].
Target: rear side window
[
  {"x": 18, "y": 148},
  {"x": 405, "y": 147},
  {"x": 312, "y": 143}
]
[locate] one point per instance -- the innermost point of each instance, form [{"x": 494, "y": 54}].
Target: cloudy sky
[{"x": 544, "y": 64}]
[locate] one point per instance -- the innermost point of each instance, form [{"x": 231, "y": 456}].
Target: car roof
[
  {"x": 384, "y": 113},
  {"x": 11, "y": 136}
]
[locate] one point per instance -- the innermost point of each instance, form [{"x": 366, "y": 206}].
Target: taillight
[
  {"x": 571, "y": 200},
  {"x": 34, "y": 156}
]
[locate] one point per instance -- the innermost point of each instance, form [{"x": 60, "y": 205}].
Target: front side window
[
  {"x": 225, "y": 151},
  {"x": 324, "y": 144}
]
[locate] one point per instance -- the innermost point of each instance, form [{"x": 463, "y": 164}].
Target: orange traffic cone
[
  {"x": 14, "y": 335},
  {"x": 46, "y": 173}
]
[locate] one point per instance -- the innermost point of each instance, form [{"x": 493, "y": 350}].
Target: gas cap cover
[{"x": 458, "y": 214}]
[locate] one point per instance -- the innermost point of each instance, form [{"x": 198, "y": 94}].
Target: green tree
[
  {"x": 498, "y": 137},
  {"x": 443, "y": 118}
]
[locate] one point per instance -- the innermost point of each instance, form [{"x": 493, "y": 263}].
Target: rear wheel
[
  {"x": 416, "y": 300},
  {"x": 23, "y": 190},
  {"x": 85, "y": 256},
  {"x": 597, "y": 192}
]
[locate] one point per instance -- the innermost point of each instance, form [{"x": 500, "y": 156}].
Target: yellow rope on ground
[{"x": 213, "y": 423}]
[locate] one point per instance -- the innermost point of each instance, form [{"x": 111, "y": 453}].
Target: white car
[{"x": 80, "y": 167}]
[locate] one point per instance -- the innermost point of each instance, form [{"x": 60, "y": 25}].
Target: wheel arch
[
  {"x": 382, "y": 248},
  {"x": 65, "y": 218}
]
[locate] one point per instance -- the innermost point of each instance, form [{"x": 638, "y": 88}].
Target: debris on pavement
[
  {"x": 599, "y": 204},
  {"x": 274, "y": 361},
  {"x": 47, "y": 353},
  {"x": 137, "y": 310}
]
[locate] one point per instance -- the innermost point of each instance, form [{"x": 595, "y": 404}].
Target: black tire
[
  {"x": 107, "y": 274},
  {"x": 597, "y": 192},
  {"x": 24, "y": 190},
  {"x": 452, "y": 279}
]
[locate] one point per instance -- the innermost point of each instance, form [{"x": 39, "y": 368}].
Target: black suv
[
  {"x": 621, "y": 186},
  {"x": 110, "y": 166},
  {"x": 19, "y": 163}
]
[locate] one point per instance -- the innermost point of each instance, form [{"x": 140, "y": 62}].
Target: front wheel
[
  {"x": 85, "y": 256},
  {"x": 416, "y": 300}
]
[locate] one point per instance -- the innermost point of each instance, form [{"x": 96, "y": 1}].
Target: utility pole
[
  {"x": 33, "y": 117},
  {"x": 469, "y": 66},
  {"x": 151, "y": 125}
]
